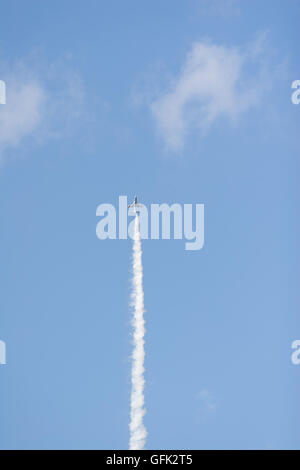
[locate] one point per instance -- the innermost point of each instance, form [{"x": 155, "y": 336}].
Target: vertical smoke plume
[{"x": 138, "y": 431}]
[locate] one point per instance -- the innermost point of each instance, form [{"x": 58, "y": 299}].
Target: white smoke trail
[{"x": 138, "y": 431}]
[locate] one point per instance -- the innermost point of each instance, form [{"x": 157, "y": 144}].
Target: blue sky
[{"x": 103, "y": 100}]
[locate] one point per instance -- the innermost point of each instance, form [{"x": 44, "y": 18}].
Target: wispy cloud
[
  {"x": 207, "y": 400},
  {"x": 22, "y": 114},
  {"x": 43, "y": 100},
  {"x": 214, "y": 82},
  {"x": 224, "y": 8},
  {"x": 206, "y": 405}
]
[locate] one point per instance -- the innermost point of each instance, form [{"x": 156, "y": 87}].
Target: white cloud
[
  {"x": 206, "y": 400},
  {"x": 212, "y": 84},
  {"x": 43, "y": 101},
  {"x": 22, "y": 113},
  {"x": 224, "y": 8},
  {"x": 206, "y": 406}
]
